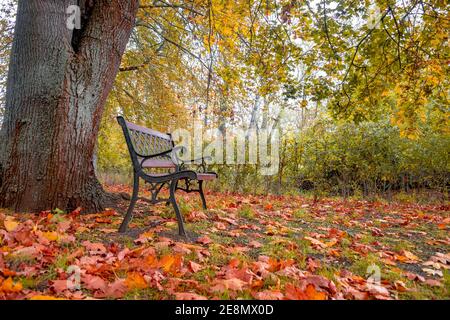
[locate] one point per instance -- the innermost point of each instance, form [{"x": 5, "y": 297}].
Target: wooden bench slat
[{"x": 158, "y": 163}]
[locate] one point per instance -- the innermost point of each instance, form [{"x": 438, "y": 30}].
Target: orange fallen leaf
[
  {"x": 171, "y": 263},
  {"x": 310, "y": 293},
  {"x": 103, "y": 220},
  {"x": 109, "y": 212},
  {"x": 8, "y": 273},
  {"x": 10, "y": 286},
  {"x": 135, "y": 280},
  {"x": 313, "y": 294}
]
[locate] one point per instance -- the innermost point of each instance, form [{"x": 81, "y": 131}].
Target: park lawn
[{"x": 242, "y": 247}]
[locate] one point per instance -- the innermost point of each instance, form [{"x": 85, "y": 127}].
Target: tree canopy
[
  {"x": 360, "y": 60},
  {"x": 270, "y": 63},
  {"x": 213, "y": 57}
]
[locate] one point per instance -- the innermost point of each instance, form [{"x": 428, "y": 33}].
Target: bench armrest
[
  {"x": 182, "y": 163},
  {"x": 167, "y": 153}
]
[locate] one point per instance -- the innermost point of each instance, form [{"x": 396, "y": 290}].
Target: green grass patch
[{"x": 247, "y": 212}]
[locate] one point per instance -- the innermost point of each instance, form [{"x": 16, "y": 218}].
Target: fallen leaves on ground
[{"x": 244, "y": 247}]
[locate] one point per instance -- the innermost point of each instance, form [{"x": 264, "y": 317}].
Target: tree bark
[{"x": 58, "y": 83}]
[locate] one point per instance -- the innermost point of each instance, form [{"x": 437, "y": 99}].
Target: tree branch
[
  {"x": 169, "y": 5},
  {"x": 178, "y": 45}
]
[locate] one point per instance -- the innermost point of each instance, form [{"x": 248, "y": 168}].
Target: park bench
[{"x": 150, "y": 150}]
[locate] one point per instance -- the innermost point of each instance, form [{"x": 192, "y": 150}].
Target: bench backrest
[{"x": 144, "y": 142}]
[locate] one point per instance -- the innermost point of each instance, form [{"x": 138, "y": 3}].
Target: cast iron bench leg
[
  {"x": 155, "y": 194},
  {"x": 173, "y": 187},
  {"x": 134, "y": 197},
  {"x": 202, "y": 195}
]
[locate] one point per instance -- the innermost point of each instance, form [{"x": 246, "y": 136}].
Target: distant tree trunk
[
  {"x": 253, "y": 123},
  {"x": 58, "y": 83}
]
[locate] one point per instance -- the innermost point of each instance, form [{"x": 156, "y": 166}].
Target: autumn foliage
[
  {"x": 246, "y": 247},
  {"x": 358, "y": 91}
]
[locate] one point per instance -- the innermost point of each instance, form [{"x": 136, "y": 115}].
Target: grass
[
  {"x": 217, "y": 256},
  {"x": 328, "y": 272},
  {"x": 361, "y": 266},
  {"x": 301, "y": 214},
  {"x": 61, "y": 261},
  {"x": 402, "y": 245},
  {"x": 206, "y": 273},
  {"x": 145, "y": 294},
  {"x": 367, "y": 239},
  {"x": 246, "y": 212},
  {"x": 16, "y": 260},
  {"x": 281, "y": 233}
]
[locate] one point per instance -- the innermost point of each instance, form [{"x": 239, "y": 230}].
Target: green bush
[{"x": 345, "y": 159}]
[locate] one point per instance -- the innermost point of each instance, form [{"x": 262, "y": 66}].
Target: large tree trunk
[{"x": 57, "y": 87}]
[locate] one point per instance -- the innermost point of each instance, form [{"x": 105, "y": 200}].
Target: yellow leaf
[
  {"x": 410, "y": 255},
  {"x": 82, "y": 229},
  {"x": 331, "y": 243},
  {"x": 51, "y": 235},
  {"x": 10, "y": 224},
  {"x": 171, "y": 224}
]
